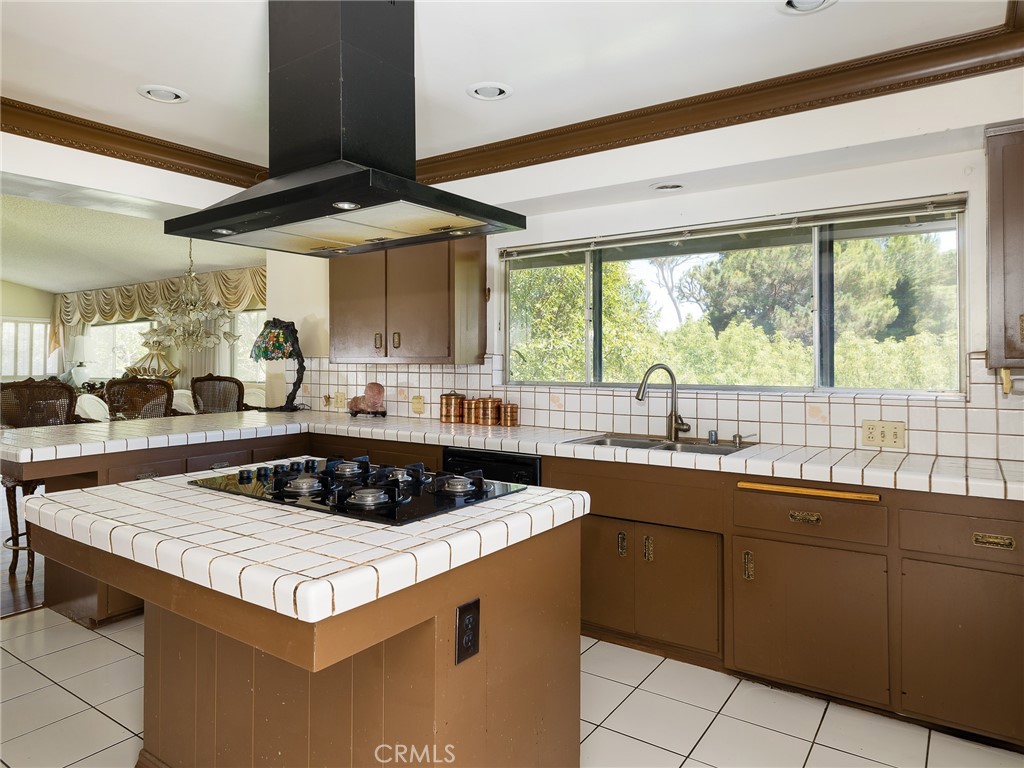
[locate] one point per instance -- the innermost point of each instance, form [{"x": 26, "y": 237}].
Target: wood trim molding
[
  {"x": 43, "y": 124},
  {"x": 903, "y": 69},
  {"x": 890, "y": 72}
]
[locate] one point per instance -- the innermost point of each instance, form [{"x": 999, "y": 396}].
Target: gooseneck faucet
[{"x": 675, "y": 421}]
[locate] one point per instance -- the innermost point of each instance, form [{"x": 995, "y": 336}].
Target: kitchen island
[{"x": 277, "y": 636}]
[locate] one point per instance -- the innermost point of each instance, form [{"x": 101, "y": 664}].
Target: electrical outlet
[
  {"x": 339, "y": 399},
  {"x": 887, "y": 434},
  {"x": 467, "y": 631},
  {"x": 417, "y": 403}
]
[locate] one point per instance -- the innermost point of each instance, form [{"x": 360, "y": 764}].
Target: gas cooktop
[{"x": 357, "y": 489}]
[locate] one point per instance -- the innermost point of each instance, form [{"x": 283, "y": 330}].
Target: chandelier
[{"x": 189, "y": 320}]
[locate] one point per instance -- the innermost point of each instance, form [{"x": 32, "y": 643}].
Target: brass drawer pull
[
  {"x": 147, "y": 475},
  {"x": 811, "y": 518},
  {"x": 220, "y": 465},
  {"x": 994, "y": 540},
  {"x": 378, "y": 341},
  {"x": 748, "y": 565},
  {"x": 622, "y": 543},
  {"x": 649, "y": 549},
  {"x": 396, "y": 339},
  {"x": 817, "y": 492}
]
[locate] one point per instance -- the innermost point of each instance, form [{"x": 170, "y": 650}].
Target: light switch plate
[
  {"x": 885, "y": 434},
  {"x": 339, "y": 399},
  {"x": 417, "y": 404}
]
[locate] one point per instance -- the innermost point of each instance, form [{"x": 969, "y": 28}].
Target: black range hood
[{"x": 342, "y": 143}]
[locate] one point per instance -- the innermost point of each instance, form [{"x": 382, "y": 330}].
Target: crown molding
[
  {"x": 919, "y": 66},
  {"x": 33, "y": 122}
]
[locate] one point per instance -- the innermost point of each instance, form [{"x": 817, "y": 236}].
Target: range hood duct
[{"x": 342, "y": 143}]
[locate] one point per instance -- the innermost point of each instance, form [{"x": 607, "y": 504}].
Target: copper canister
[
  {"x": 489, "y": 410},
  {"x": 509, "y": 415},
  {"x": 469, "y": 411},
  {"x": 452, "y": 407}
]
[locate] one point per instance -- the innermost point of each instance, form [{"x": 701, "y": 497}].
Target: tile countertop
[
  {"x": 301, "y": 563},
  {"x": 991, "y": 478}
]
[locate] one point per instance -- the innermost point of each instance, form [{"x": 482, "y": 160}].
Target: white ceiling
[{"x": 566, "y": 61}]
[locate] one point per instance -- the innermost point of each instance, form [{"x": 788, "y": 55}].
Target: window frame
[
  {"x": 953, "y": 205},
  {"x": 48, "y": 356}
]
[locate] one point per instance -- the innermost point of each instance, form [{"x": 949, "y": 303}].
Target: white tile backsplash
[{"x": 983, "y": 423}]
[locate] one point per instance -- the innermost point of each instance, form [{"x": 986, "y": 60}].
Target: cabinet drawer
[
  {"x": 979, "y": 538},
  {"x": 143, "y": 471},
  {"x": 218, "y": 460},
  {"x": 823, "y": 518}
]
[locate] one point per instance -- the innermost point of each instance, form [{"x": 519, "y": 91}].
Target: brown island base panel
[{"x": 229, "y": 683}]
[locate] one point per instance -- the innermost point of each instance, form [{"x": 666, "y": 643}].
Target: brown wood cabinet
[
  {"x": 654, "y": 581},
  {"x": 423, "y": 303},
  {"x": 651, "y": 568},
  {"x": 963, "y": 647},
  {"x": 811, "y": 616},
  {"x": 1004, "y": 145}
]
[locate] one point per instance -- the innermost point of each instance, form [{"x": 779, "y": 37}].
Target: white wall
[{"x": 24, "y": 302}]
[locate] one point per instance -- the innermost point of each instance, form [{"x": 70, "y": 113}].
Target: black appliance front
[{"x": 495, "y": 465}]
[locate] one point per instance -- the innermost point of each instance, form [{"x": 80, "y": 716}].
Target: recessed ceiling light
[
  {"x": 666, "y": 186},
  {"x": 222, "y": 231},
  {"x": 346, "y": 206},
  {"x": 489, "y": 91},
  {"x": 165, "y": 94},
  {"x": 801, "y": 7}
]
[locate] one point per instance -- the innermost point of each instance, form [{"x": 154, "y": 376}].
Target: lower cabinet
[
  {"x": 812, "y": 616},
  {"x": 963, "y": 646},
  {"x": 655, "y": 581}
]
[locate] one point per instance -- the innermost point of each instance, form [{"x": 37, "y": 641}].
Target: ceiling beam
[{"x": 904, "y": 69}]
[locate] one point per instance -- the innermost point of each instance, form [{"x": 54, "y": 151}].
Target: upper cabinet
[
  {"x": 420, "y": 304},
  {"x": 1005, "y": 149}
]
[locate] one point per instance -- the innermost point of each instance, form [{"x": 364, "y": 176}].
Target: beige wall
[
  {"x": 297, "y": 290},
  {"x": 21, "y": 301}
]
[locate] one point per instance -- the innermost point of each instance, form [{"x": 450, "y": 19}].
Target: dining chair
[
  {"x": 30, "y": 403},
  {"x": 136, "y": 397},
  {"x": 218, "y": 394}
]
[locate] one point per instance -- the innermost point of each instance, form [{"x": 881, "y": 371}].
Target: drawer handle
[
  {"x": 396, "y": 339},
  {"x": 748, "y": 565},
  {"x": 622, "y": 543},
  {"x": 220, "y": 465},
  {"x": 811, "y": 518},
  {"x": 147, "y": 475},
  {"x": 994, "y": 540},
  {"x": 821, "y": 493},
  {"x": 649, "y": 549},
  {"x": 378, "y": 341}
]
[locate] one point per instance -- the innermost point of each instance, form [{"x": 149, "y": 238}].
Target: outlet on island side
[
  {"x": 467, "y": 630},
  {"x": 885, "y": 434}
]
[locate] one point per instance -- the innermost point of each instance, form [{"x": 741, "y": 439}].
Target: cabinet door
[
  {"x": 358, "y": 308},
  {"x": 607, "y": 573},
  {"x": 419, "y": 306},
  {"x": 963, "y": 646},
  {"x": 812, "y": 616},
  {"x": 1005, "y": 149},
  {"x": 677, "y": 586}
]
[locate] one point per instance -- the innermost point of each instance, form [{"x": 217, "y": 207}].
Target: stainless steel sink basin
[
  {"x": 661, "y": 444},
  {"x": 623, "y": 441}
]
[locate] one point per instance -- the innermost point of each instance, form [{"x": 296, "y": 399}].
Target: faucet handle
[{"x": 737, "y": 439}]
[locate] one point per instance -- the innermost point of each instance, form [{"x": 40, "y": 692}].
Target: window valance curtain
[{"x": 234, "y": 289}]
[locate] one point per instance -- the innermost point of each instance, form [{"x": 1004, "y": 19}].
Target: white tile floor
[
  {"x": 638, "y": 709},
  {"x": 71, "y": 696}
]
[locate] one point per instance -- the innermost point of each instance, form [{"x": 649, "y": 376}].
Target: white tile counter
[
  {"x": 991, "y": 478},
  {"x": 300, "y": 563}
]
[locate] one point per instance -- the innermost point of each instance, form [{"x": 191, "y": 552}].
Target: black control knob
[
  {"x": 280, "y": 469},
  {"x": 295, "y": 466},
  {"x": 263, "y": 473},
  {"x": 311, "y": 466},
  {"x": 245, "y": 477}
]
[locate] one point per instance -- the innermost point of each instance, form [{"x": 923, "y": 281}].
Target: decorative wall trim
[
  {"x": 894, "y": 71},
  {"x": 42, "y": 124},
  {"x": 919, "y": 66}
]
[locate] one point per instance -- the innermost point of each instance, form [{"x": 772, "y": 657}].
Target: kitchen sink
[{"x": 661, "y": 444}]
